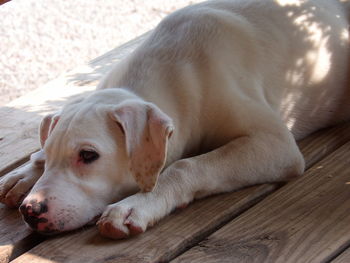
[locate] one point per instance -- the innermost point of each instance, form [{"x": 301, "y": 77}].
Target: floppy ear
[
  {"x": 147, "y": 130},
  {"x": 47, "y": 124}
]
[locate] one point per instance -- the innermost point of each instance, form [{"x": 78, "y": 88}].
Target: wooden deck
[{"x": 306, "y": 220}]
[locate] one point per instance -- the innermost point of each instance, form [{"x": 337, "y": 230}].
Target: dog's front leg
[
  {"x": 258, "y": 158},
  {"x": 15, "y": 185}
]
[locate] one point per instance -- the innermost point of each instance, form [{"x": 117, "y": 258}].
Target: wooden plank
[
  {"x": 305, "y": 221},
  {"x": 319, "y": 144},
  {"x": 15, "y": 237},
  {"x": 343, "y": 257},
  {"x": 19, "y": 131},
  {"x": 172, "y": 235},
  {"x": 168, "y": 238},
  {"x": 20, "y": 119},
  {"x": 9, "y": 239}
]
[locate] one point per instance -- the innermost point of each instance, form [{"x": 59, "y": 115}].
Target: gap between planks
[
  {"x": 19, "y": 131},
  {"x": 343, "y": 257},
  {"x": 20, "y": 120},
  {"x": 173, "y": 235},
  {"x": 305, "y": 221}
]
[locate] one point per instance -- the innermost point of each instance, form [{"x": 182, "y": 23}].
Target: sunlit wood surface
[{"x": 305, "y": 220}]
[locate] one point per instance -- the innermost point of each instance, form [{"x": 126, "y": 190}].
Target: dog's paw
[
  {"x": 125, "y": 218},
  {"x": 15, "y": 185}
]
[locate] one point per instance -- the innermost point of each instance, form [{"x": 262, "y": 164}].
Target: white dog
[{"x": 211, "y": 102}]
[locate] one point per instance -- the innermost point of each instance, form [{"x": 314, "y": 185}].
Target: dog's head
[{"x": 98, "y": 151}]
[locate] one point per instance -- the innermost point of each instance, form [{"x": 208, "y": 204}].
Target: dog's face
[{"x": 96, "y": 154}]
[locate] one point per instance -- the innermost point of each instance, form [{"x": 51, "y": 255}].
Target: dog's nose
[
  {"x": 33, "y": 208},
  {"x": 32, "y": 212}
]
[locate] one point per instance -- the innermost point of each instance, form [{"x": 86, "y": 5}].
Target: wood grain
[
  {"x": 177, "y": 232},
  {"x": 168, "y": 238},
  {"x": 19, "y": 136},
  {"x": 20, "y": 119},
  {"x": 15, "y": 237},
  {"x": 18, "y": 130},
  {"x": 319, "y": 144},
  {"x": 305, "y": 221},
  {"x": 343, "y": 257}
]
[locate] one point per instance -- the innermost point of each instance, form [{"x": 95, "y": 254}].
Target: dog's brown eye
[{"x": 88, "y": 156}]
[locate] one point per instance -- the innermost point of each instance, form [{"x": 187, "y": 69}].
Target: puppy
[{"x": 212, "y": 101}]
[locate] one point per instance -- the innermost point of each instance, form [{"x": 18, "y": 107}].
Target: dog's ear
[
  {"x": 147, "y": 130},
  {"x": 47, "y": 124}
]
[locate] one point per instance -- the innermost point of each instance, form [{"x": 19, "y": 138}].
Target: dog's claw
[
  {"x": 133, "y": 228},
  {"x": 15, "y": 185},
  {"x": 107, "y": 229},
  {"x": 121, "y": 221}
]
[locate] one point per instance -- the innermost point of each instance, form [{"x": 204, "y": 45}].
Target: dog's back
[
  {"x": 200, "y": 108},
  {"x": 297, "y": 51},
  {"x": 292, "y": 55}
]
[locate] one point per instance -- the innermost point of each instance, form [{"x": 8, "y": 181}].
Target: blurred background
[{"x": 41, "y": 39}]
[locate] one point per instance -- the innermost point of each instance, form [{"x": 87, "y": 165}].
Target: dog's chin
[
  {"x": 49, "y": 232},
  {"x": 55, "y": 231}
]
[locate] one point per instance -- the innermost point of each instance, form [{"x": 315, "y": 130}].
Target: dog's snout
[
  {"x": 33, "y": 211},
  {"x": 33, "y": 208}
]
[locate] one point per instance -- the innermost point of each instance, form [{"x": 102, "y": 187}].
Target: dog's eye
[{"x": 88, "y": 156}]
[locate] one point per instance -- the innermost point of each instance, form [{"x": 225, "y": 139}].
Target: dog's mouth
[
  {"x": 52, "y": 231},
  {"x": 49, "y": 232}
]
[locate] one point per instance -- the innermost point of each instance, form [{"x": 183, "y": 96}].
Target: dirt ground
[{"x": 40, "y": 40}]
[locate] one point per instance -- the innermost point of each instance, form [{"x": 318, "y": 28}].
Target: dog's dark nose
[
  {"x": 32, "y": 212},
  {"x": 33, "y": 208}
]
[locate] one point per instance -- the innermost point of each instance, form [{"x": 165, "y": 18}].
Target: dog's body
[{"x": 212, "y": 101}]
